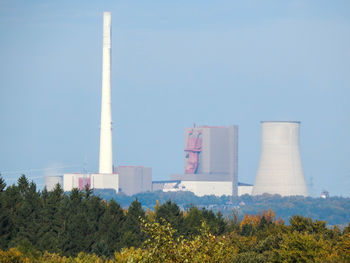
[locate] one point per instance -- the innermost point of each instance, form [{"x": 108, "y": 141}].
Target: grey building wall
[
  {"x": 218, "y": 159},
  {"x": 134, "y": 179},
  {"x": 219, "y": 152}
]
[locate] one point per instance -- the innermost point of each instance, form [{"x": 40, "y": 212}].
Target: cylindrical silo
[
  {"x": 52, "y": 181},
  {"x": 280, "y": 171}
]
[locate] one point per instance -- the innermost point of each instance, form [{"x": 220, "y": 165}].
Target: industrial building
[
  {"x": 210, "y": 162},
  {"x": 134, "y": 179},
  {"x": 127, "y": 179},
  {"x": 245, "y": 189},
  {"x": 280, "y": 171},
  {"x": 178, "y": 185},
  {"x": 92, "y": 181},
  {"x": 52, "y": 181}
]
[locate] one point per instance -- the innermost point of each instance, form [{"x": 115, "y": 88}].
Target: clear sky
[{"x": 174, "y": 63}]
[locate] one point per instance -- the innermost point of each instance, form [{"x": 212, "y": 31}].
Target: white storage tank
[
  {"x": 280, "y": 170},
  {"x": 52, "y": 181}
]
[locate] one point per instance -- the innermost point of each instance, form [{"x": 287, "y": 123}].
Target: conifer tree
[
  {"x": 93, "y": 208},
  {"x": 110, "y": 229},
  {"x": 74, "y": 226},
  {"x": 132, "y": 235},
  {"x": 28, "y": 212},
  {"x": 170, "y": 211},
  {"x": 51, "y": 225},
  {"x": 10, "y": 201},
  {"x": 23, "y": 184},
  {"x": 4, "y": 214},
  {"x": 192, "y": 222}
]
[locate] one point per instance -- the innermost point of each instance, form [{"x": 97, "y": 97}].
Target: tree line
[
  {"x": 42, "y": 226},
  {"x": 335, "y": 210},
  {"x": 81, "y": 221}
]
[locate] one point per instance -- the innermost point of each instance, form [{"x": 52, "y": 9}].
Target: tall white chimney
[
  {"x": 106, "y": 156},
  {"x": 280, "y": 171}
]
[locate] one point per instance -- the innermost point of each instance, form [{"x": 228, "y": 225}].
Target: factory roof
[
  {"x": 166, "y": 181},
  {"x": 244, "y": 184}
]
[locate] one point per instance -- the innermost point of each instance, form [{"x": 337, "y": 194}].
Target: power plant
[
  {"x": 210, "y": 156},
  {"x": 280, "y": 171}
]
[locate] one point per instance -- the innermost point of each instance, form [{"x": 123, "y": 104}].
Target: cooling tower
[
  {"x": 106, "y": 162},
  {"x": 280, "y": 170}
]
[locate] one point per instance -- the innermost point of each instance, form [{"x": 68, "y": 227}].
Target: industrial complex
[{"x": 210, "y": 156}]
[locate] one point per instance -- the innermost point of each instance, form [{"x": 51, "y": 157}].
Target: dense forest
[{"x": 42, "y": 226}]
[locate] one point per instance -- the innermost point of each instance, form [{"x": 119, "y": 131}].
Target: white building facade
[{"x": 92, "y": 181}]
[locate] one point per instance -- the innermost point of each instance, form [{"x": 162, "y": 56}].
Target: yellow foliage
[
  {"x": 164, "y": 246},
  {"x": 125, "y": 211},
  {"x": 207, "y": 248},
  {"x": 52, "y": 258},
  {"x": 343, "y": 247},
  {"x": 269, "y": 215},
  {"x": 304, "y": 247},
  {"x": 128, "y": 255},
  {"x": 87, "y": 258},
  {"x": 254, "y": 220},
  {"x": 150, "y": 215},
  {"x": 250, "y": 220},
  {"x": 13, "y": 256},
  {"x": 156, "y": 207}
]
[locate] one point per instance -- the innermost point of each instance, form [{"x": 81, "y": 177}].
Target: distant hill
[{"x": 334, "y": 210}]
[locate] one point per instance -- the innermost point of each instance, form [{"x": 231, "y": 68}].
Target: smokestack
[
  {"x": 280, "y": 170},
  {"x": 106, "y": 162}
]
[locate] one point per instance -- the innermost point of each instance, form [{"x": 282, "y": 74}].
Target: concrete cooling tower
[{"x": 280, "y": 171}]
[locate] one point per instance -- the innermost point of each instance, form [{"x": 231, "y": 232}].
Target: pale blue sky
[{"x": 174, "y": 63}]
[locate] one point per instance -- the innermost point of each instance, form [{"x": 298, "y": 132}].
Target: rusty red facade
[{"x": 193, "y": 149}]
